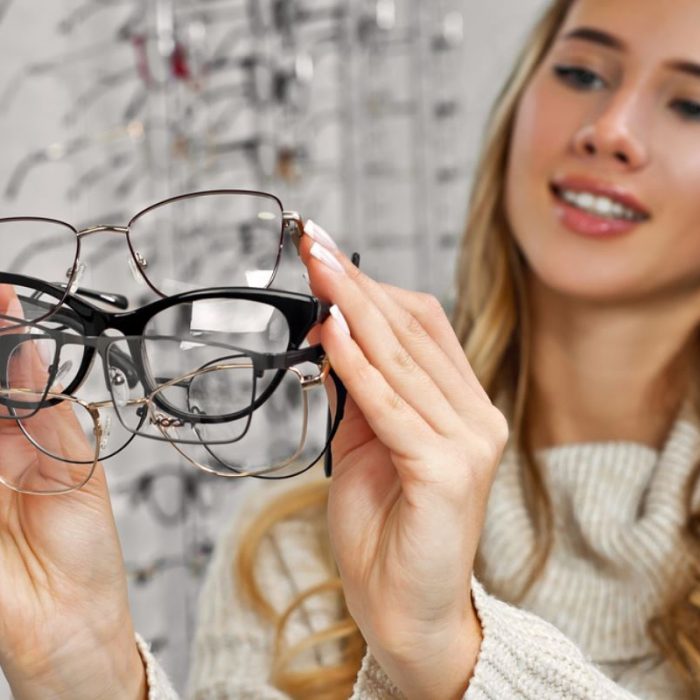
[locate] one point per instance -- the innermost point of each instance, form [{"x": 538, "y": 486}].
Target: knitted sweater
[{"x": 580, "y": 632}]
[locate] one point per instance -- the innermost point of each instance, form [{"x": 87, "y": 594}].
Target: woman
[{"x": 578, "y": 314}]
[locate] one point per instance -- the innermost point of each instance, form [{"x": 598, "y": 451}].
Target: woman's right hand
[{"x": 65, "y": 625}]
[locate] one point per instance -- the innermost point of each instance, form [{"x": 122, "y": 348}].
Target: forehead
[{"x": 656, "y": 30}]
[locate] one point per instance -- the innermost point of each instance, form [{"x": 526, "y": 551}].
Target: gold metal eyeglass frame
[{"x": 162, "y": 422}]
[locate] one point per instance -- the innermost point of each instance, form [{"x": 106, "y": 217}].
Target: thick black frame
[{"x": 301, "y": 311}]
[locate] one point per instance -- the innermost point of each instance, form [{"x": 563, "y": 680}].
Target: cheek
[
  {"x": 683, "y": 227},
  {"x": 676, "y": 200},
  {"x": 543, "y": 130},
  {"x": 537, "y": 145}
]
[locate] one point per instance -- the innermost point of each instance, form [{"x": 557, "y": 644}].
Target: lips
[{"x": 597, "y": 187}]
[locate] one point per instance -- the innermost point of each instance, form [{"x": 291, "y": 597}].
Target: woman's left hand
[{"x": 414, "y": 461}]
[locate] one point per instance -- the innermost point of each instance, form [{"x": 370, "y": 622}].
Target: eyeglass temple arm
[
  {"x": 261, "y": 362},
  {"x": 341, "y": 395},
  {"x": 119, "y": 301},
  {"x": 333, "y": 425}
]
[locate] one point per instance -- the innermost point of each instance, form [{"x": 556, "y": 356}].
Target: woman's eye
[
  {"x": 687, "y": 109},
  {"x": 578, "y": 78}
]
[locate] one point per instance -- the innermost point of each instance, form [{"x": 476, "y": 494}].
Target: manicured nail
[
  {"x": 326, "y": 257},
  {"x": 338, "y": 316},
  {"x": 318, "y": 234}
]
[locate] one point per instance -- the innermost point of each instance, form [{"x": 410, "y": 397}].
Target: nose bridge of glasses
[
  {"x": 119, "y": 300},
  {"x": 101, "y": 228}
]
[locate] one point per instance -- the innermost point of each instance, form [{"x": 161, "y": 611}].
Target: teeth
[{"x": 600, "y": 205}]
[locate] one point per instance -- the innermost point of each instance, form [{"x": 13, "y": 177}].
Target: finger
[
  {"x": 424, "y": 308},
  {"x": 426, "y": 348},
  {"x": 429, "y": 313},
  {"x": 29, "y": 363},
  {"x": 374, "y": 335},
  {"x": 314, "y": 336},
  {"x": 395, "y": 423},
  {"x": 11, "y": 312},
  {"x": 26, "y": 361},
  {"x": 67, "y": 455},
  {"x": 460, "y": 389}
]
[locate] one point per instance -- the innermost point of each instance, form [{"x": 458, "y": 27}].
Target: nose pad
[
  {"x": 63, "y": 371},
  {"x": 105, "y": 430},
  {"x": 135, "y": 272},
  {"x": 79, "y": 272},
  {"x": 119, "y": 386}
]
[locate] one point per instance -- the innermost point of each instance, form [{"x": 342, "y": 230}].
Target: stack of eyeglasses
[{"x": 211, "y": 370}]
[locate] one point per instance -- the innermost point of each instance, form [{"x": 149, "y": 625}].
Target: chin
[{"x": 574, "y": 280}]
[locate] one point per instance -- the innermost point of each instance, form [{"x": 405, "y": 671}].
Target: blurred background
[{"x": 364, "y": 115}]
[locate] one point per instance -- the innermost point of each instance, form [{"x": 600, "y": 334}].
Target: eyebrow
[{"x": 598, "y": 36}]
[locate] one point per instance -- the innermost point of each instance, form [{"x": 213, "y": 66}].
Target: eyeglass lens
[
  {"x": 37, "y": 451},
  {"x": 208, "y": 240}
]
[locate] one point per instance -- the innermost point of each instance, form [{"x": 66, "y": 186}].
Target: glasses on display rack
[
  {"x": 4, "y": 6},
  {"x": 125, "y": 136},
  {"x": 163, "y": 240},
  {"x": 51, "y": 65},
  {"x": 194, "y": 560},
  {"x": 84, "y": 11},
  {"x": 169, "y": 493}
]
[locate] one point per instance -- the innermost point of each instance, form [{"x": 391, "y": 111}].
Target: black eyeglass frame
[
  {"x": 300, "y": 311},
  {"x": 259, "y": 364}
]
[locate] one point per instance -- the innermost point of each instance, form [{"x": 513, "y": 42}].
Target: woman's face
[{"x": 611, "y": 120}]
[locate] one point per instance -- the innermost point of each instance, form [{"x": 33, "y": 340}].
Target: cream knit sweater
[{"x": 579, "y": 634}]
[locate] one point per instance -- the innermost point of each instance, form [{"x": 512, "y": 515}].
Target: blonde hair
[
  {"x": 491, "y": 319},
  {"x": 320, "y": 683}
]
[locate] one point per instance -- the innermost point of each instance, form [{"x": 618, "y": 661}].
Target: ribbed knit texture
[
  {"x": 159, "y": 687},
  {"x": 579, "y": 634}
]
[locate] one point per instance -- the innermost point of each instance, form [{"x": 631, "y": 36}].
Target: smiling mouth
[{"x": 599, "y": 205}]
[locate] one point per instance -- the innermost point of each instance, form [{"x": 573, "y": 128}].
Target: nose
[{"x": 614, "y": 134}]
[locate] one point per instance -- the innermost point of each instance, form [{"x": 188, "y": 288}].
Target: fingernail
[
  {"x": 326, "y": 257},
  {"x": 338, "y": 316},
  {"x": 318, "y": 234}
]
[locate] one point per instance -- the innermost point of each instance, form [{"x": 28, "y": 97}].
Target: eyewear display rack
[{"x": 351, "y": 111}]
